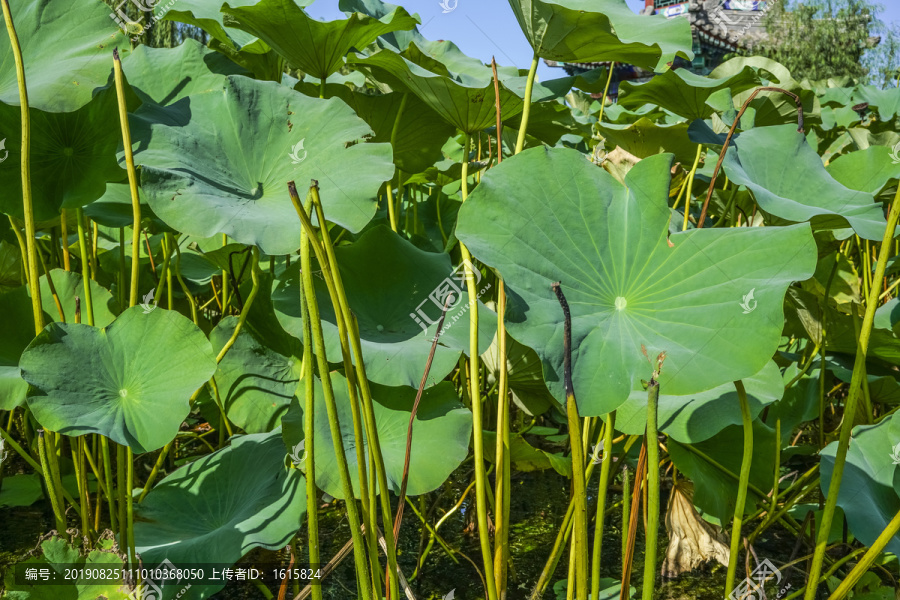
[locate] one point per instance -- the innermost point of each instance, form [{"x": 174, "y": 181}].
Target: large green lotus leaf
[
  {"x": 316, "y": 47},
  {"x": 465, "y": 97},
  {"x": 258, "y": 376},
  {"x": 607, "y": 245},
  {"x": 73, "y": 156},
  {"x": 789, "y": 181},
  {"x": 67, "y": 50},
  {"x": 601, "y": 30},
  {"x": 683, "y": 92},
  {"x": 440, "y": 441},
  {"x": 221, "y": 506},
  {"x": 15, "y": 306},
  {"x": 421, "y": 134},
  {"x": 130, "y": 381},
  {"x": 645, "y": 138},
  {"x": 886, "y": 102},
  {"x": 715, "y": 492},
  {"x": 221, "y": 165},
  {"x": 698, "y": 417},
  {"x": 524, "y": 374},
  {"x": 868, "y": 495},
  {"x": 867, "y": 170},
  {"x": 189, "y": 69},
  {"x": 389, "y": 302}
]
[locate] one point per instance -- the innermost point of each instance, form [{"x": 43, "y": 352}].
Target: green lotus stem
[
  {"x": 85, "y": 266},
  {"x": 123, "y": 274},
  {"x": 867, "y": 560},
  {"x": 502, "y": 493},
  {"x": 160, "y": 461},
  {"x": 55, "y": 503},
  {"x": 64, "y": 238},
  {"x": 612, "y": 68},
  {"x": 475, "y": 397},
  {"x": 165, "y": 274},
  {"x": 392, "y": 210},
  {"x": 22, "y": 245},
  {"x": 777, "y": 471},
  {"x": 312, "y": 505},
  {"x": 345, "y": 330},
  {"x": 359, "y": 546},
  {"x": 605, "y": 468},
  {"x": 852, "y": 400},
  {"x": 652, "y": 529},
  {"x": 130, "y": 506},
  {"x": 27, "y": 201},
  {"x": 746, "y": 463},
  {"x": 579, "y": 492},
  {"x": 132, "y": 179},
  {"x": 107, "y": 472},
  {"x": 822, "y": 353},
  {"x": 83, "y": 493},
  {"x": 690, "y": 187},
  {"x": 184, "y": 288},
  {"x": 254, "y": 290},
  {"x": 121, "y": 501},
  {"x": 526, "y": 106},
  {"x": 626, "y": 510},
  {"x": 225, "y": 296}
]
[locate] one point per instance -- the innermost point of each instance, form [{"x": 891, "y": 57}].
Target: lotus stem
[
  {"x": 605, "y": 468},
  {"x": 85, "y": 266},
  {"x": 254, "y": 274},
  {"x": 64, "y": 238},
  {"x": 392, "y": 209},
  {"x": 132, "y": 554},
  {"x": 628, "y": 556},
  {"x": 626, "y": 510},
  {"x": 184, "y": 287},
  {"x": 55, "y": 503},
  {"x": 359, "y": 546},
  {"x": 822, "y": 352},
  {"x": 734, "y": 126},
  {"x": 690, "y": 187},
  {"x": 309, "y": 416},
  {"x": 107, "y": 472},
  {"x": 502, "y": 493},
  {"x": 27, "y": 201},
  {"x": 867, "y": 560},
  {"x": 526, "y": 106},
  {"x": 132, "y": 179},
  {"x": 852, "y": 400},
  {"x": 743, "y": 482},
  {"x": 609, "y": 78},
  {"x": 652, "y": 527},
  {"x": 331, "y": 275},
  {"x": 579, "y": 492},
  {"x": 83, "y": 493}
]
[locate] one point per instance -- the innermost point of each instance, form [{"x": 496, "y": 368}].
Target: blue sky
[{"x": 482, "y": 28}]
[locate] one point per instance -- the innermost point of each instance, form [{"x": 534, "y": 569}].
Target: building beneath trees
[{"x": 719, "y": 27}]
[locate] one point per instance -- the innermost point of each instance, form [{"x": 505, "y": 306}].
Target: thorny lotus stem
[
  {"x": 867, "y": 560},
  {"x": 132, "y": 179},
  {"x": 743, "y": 482},
  {"x": 605, "y": 468},
  {"x": 312, "y": 505},
  {"x": 734, "y": 126},
  {"x": 51, "y": 489},
  {"x": 502, "y": 492},
  {"x": 27, "y": 203},
  {"x": 579, "y": 526},
  {"x": 412, "y": 419},
  {"x": 392, "y": 210},
  {"x": 852, "y": 400},
  {"x": 85, "y": 266},
  {"x": 359, "y": 547},
  {"x": 347, "y": 329},
  {"x": 526, "y": 108},
  {"x": 652, "y": 530}
]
